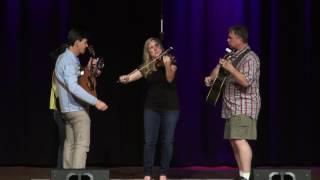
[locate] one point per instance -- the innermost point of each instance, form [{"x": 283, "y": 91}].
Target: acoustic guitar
[
  {"x": 218, "y": 82},
  {"x": 88, "y": 75}
]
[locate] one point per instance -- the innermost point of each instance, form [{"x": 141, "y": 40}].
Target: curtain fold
[{"x": 282, "y": 39}]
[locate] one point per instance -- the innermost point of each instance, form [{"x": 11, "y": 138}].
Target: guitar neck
[{"x": 223, "y": 72}]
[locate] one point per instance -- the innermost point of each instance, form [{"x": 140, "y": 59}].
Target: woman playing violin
[{"x": 161, "y": 109}]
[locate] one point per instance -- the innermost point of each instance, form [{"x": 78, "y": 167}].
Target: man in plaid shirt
[{"x": 241, "y": 98}]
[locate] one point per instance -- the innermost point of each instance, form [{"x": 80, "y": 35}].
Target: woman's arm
[
  {"x": 171, "y": 69},
  {"x": 133, "y": 76}
]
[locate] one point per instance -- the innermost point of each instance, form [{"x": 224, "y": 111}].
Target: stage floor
[{"x": 119, "y": 173}]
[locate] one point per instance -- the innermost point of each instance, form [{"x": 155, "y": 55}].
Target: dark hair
[
  {"x": 74, "y": 35},
  {"x": 240, "y": 31}
]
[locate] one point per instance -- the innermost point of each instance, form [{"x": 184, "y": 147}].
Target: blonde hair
[{"x": 147, "y": 58}]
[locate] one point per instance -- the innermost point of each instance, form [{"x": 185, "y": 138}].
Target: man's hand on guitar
[
  {"x": 226, "y": 64},
  {"x": 208, "y": 81},
  {"x": 100, "y": 105}
]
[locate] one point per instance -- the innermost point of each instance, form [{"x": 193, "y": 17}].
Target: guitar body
[
  {"x": 216, "y": 87},
  {"x": 218, "y": 83},
  {"x": 88, "y": 82}
]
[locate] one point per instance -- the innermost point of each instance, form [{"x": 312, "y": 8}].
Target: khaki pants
[{"x": 77, "y": 142}]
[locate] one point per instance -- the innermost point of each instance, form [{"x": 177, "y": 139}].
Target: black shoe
[
  {"x": 240, "y": 178},
  {"x": 251, "y": 177},
  {"x": 236, "y": 178}
]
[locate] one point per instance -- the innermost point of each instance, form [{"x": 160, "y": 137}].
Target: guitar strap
[
  {"x": 67, "y": 89},
  {"x": 59, "y": 81},
  {"x": 238, "y": 59}
]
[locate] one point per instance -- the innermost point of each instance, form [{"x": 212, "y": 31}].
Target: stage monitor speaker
[
  {"x": 79, "y": 174},
  {"x": 282, "y": 174}
]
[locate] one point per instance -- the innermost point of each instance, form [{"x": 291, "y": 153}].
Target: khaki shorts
[{"x": 240, "y": 127}]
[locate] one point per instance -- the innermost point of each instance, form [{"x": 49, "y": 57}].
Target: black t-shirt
[{"x": 161, "y": 94}]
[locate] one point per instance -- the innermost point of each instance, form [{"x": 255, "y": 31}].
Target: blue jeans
[{"x": 163, "y": 123}]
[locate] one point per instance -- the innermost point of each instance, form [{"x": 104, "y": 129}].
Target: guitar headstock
[
  {"x": 229, "y": 54},
  {"x": 91, "y": 51},
  {"x": 99, "y": 60}
]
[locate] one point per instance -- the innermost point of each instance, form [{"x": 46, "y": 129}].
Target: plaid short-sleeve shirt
[{"x": 243, "y": 100}]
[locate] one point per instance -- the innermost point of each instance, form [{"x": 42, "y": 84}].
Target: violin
[
  {"x": 159, "y": 62},
  {"x": 88, "y": 74}
]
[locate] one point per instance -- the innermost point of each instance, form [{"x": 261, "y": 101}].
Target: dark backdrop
[
  {"x": 35, "y": 28},
  {"x": 282, "y": 34}
]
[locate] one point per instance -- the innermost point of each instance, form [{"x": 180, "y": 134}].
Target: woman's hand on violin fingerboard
[{"x": 167, "y": 60}]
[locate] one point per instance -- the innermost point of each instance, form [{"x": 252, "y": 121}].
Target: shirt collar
[{"x": 74, "y": 57}]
